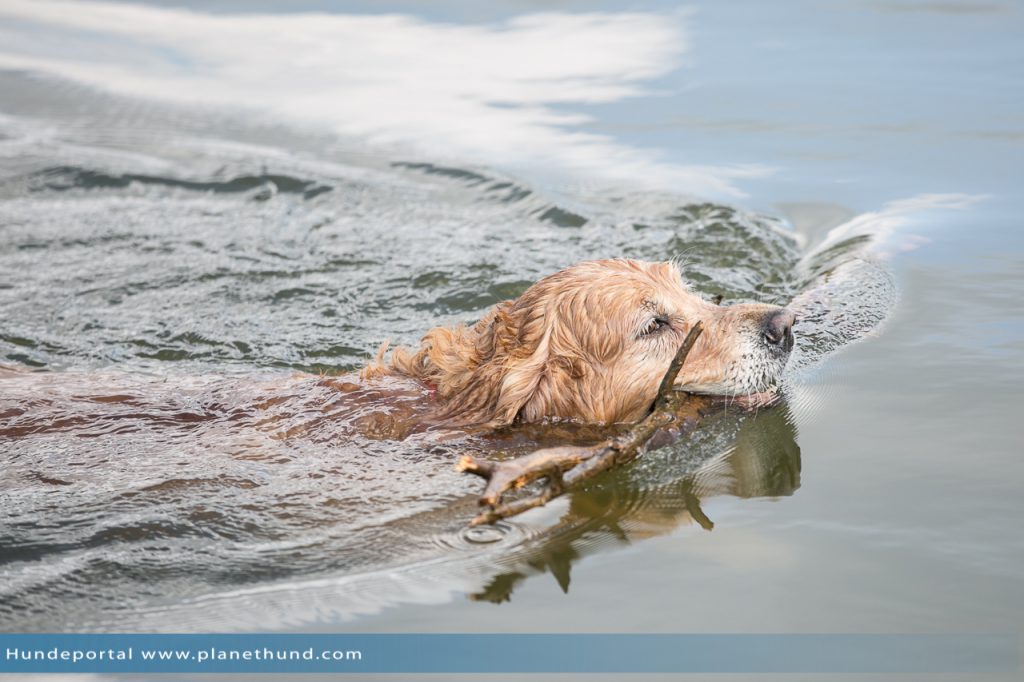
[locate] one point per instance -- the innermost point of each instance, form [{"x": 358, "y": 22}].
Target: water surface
[{"x": 187, "y": 221}]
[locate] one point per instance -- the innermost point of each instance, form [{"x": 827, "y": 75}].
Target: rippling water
[
  {"x": 159, "y": 449},
  {"x": 187, "y": 249}
]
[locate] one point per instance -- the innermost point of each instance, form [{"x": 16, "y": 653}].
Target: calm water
[{"x": 196, "y": 205}]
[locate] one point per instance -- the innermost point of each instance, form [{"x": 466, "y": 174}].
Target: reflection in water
[
  {"x": 479, "y": 93},
  {"x": 758, "y": 457}
]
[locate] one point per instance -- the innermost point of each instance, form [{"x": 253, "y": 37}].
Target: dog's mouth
[
  {"x": 743, "y": 396},
  {"x": 760, "y": 372},
  {"x": 754, "y": 401},
  {"x": 755, "y": 377}
]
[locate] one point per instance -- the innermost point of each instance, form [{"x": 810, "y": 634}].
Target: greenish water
[{"x": 195, "y": 206}]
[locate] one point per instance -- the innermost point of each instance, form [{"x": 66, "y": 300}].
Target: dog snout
[{"x": 778, "y": 329}]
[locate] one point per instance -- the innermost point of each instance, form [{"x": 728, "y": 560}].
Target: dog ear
[
  {"x": 491, "y": 370},
  {"x": 500, "y": 368},
  {"x": 520, "y": 382}
]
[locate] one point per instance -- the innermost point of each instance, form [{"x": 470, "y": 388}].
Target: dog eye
[{"x": 655, "y": 325}]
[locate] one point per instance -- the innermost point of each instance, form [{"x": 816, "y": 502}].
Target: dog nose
[{"x": 778, "y": 329}]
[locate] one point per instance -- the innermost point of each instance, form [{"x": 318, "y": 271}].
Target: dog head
[{"x": 592, "y": 343}]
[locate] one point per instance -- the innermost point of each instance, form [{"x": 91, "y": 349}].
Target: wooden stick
[{"x": 564, "y": 467}]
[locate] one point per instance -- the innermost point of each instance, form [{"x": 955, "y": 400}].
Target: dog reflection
[{"x": 764, "y": 461}]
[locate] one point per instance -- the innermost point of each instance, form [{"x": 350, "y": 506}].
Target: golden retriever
[
  {"x": 588, "y": 344},
  {"x": 591, "y": 343}
]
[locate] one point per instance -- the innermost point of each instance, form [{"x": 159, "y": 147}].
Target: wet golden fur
[{"x": 589, "y": 343}]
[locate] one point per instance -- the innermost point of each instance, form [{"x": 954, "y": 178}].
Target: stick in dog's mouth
[{"x": 564, "y": 467}]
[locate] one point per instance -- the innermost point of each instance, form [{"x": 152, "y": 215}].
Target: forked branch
[{"x": 564, "y": 467}]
